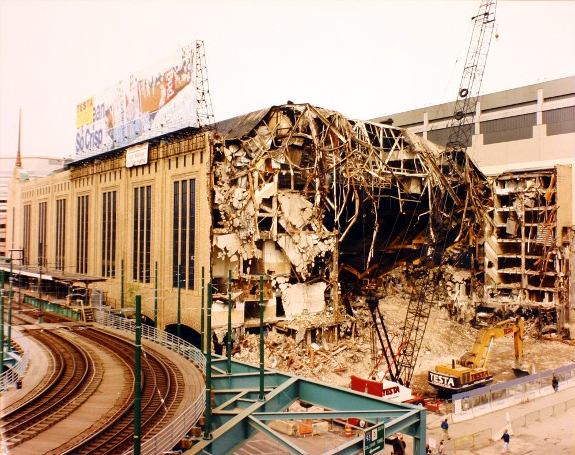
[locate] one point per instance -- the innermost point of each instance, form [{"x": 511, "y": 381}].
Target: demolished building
[
  {"x": 528, "y": 242},
  {"x": 326, "y": 207}
]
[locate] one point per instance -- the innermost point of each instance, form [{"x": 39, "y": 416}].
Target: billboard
[{"x": 154, "y": 101}]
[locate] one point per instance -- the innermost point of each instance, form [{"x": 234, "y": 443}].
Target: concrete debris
[
  {"x": 326, "y": 204},
  {"x": 353, "y": 355}
]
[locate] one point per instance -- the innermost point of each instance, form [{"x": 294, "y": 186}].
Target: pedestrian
[
  {"x": 428, "y": 450},
  {"x": 445, "y": 428},
  {"x": 555, "y": 383},
  {"x": 441, "y": 447},
  {"x": 506, "y": 439}
]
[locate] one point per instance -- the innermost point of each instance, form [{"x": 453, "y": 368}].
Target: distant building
[
  {"x": 524, "y": 139},
  {"x": 32, "y": 168}
]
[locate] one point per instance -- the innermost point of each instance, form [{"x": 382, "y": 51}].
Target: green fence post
[
  {"x": 137, "y": 379},
  {"x": 122, "y": 288},
  {"x": 261, "y": 338},
  {"x": 2, "y": 320},
  {"x": 229, "y": 349},
  {"x": 156, "y": 296},
  {"x": 178, "y": 330},
  {"x": 9, "y": 336},
  {"x": 202, "y": 328},
  {"x": 207, "y": 429}
]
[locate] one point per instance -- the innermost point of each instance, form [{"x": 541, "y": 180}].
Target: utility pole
[
  {"x": 202, "y": 329},
  {"x": 2, "y": 320},
  {"x": 9, "y": 337},
  {"x": 261, "y": 338},
  {"x": 207, "y": 429},
  {"x": 229, "y": 349},
  {"x": 137, "y": 378},
  {"x": 178, "y": 332},
  {"x": 156, "y": 296},
  {"x": 40, "y": 314},
  {"x": 20, "y": 290},
  {"x": 122, "y": 289}
]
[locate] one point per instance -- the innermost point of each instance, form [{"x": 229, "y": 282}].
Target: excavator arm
[{"x": 479, "y": 354}]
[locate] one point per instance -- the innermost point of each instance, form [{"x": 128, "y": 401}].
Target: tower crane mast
[{"x": 460, "y": 132}]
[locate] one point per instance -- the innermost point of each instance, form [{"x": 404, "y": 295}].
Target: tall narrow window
[
  {"x": 82, "y": 235},
  {"x": 183, "y": 237},
  {"x": 60, "y": 233},
  {"x": 176, "y": 250},
  {"x": 184, "y": 230},
  {"x": 142, "y": 234},
  {"x": 109, "y": 234},
  {"x": 136, "y": 216},
  {"x": 42, "y": 213},
  {"x": 148, "y": 232},
  {"x": 192, "y": 235},
  {"x": 26, "y": 240}
]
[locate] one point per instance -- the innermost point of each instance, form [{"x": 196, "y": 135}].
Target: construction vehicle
[
  {"x": 460, "y": 129},
  {"x": 470, "y": 371}
]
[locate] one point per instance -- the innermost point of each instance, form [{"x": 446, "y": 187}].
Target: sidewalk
[{"x": 490, "y": 425}]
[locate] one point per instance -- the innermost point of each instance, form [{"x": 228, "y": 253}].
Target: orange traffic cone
[{"x": 348, "y": 431}]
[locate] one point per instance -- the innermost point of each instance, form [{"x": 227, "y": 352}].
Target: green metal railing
[{"x": 45, "y": 305}]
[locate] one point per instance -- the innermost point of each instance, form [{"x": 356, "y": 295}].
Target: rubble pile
[
  {"x": 353, "y": 354},
  {"x": 322, "y": 360}
]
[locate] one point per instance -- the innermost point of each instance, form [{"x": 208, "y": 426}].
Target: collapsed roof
[{"x": 307, "y": 195}]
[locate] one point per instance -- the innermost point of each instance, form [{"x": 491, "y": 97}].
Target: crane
[{"x": 460, "y": 132}]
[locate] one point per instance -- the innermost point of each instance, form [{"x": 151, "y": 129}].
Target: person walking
[
  {"x": 555, "y": 383},
  {"x": 506, "y": 438},
  {"x": 445, "y": 428}
]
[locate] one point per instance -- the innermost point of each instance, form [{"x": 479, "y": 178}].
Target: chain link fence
[
  {"x": 484, "y": 400},
  {"x": 485, "y": 437}
]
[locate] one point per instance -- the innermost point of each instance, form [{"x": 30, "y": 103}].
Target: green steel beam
[
  {"x": 219, "y": 370},
  {"x": 402, "y": 422},
  {"x": 239, "y": 408},
  {"x": 352, "y": 447},
  {"x": 225, "y": 404},
  {"x": 329, "y": 415},
  {"x": 246, "y": 380},
  {"x": 260, "y": 426},
  {"x": 235, "y": 430},
  {"x": 333, "y": 397},
  {"x": 241, "y": 389}
]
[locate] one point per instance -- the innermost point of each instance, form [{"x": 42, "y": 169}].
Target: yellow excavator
[{"x": 470, "y": 371}]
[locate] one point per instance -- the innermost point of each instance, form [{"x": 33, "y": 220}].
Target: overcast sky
[{"x": 363, "y": 58}]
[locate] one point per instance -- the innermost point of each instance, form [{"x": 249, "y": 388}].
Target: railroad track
[
  {"x": 162, "y": 390},
  {"x": 73, "y": 378}
]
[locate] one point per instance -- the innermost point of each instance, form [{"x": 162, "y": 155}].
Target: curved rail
[
  {"x": 73, "y": 380},
  {"x": 161, "y": 388},
  {"x": 170, "y": 435}
]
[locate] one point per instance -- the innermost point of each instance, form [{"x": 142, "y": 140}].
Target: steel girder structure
[{"x": 238, "y": 414}]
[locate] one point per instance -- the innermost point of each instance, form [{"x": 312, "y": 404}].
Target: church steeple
[{"x": 19, "y": 153}]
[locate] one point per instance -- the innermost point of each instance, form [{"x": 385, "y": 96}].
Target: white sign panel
[
  {"x": 137, "y": 155},
  {"x": 155, "y": 101}
]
